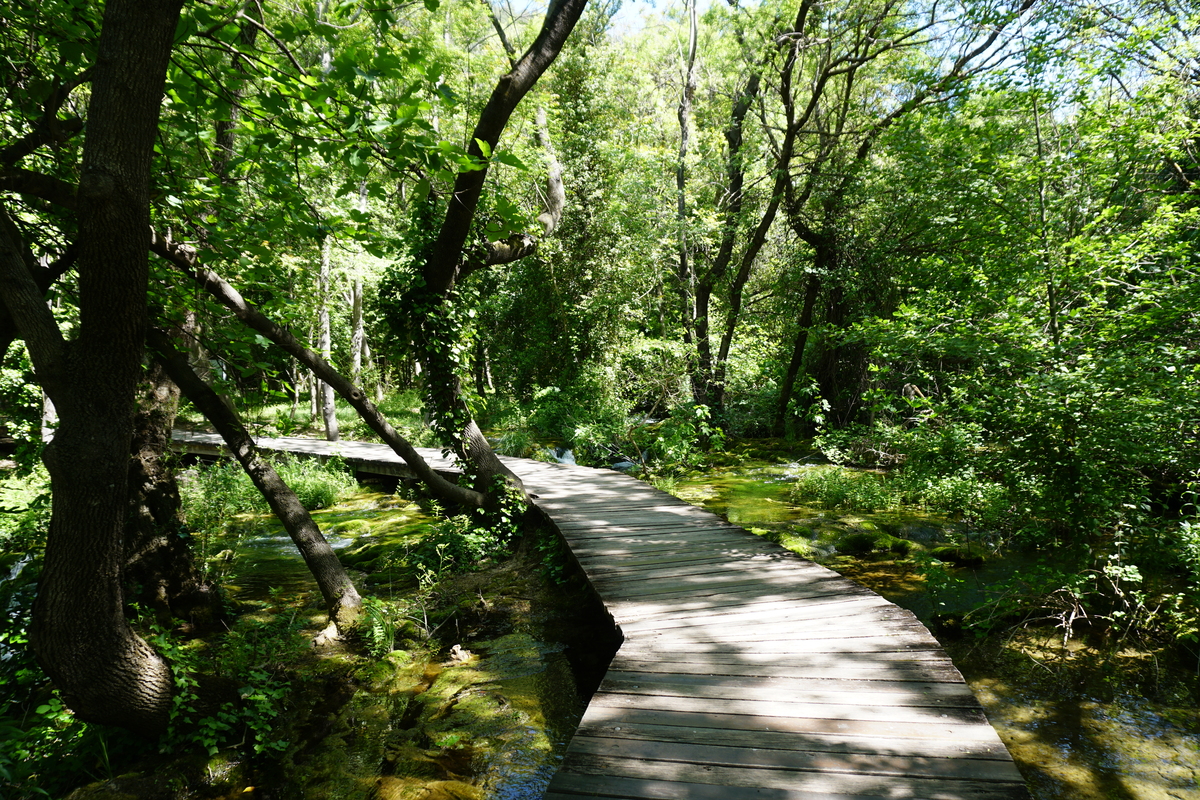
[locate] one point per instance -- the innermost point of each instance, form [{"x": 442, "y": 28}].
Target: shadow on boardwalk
[{"x": 745, "y": 670}]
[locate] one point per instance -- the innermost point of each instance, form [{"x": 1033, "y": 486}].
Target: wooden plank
[
  {"x": 872, "y": 764},
  {"x": 661, "y": 571},
  {"x": 786, "y": 631},
  {"x": 646, "y": 526},
  {"x": 778, "y": 690},
  {"x": 932, "y": 670},
  {"x": 889, "y": 692},
  {"x": 747, "y": 598},
  {"x": 865, "y": 644},
  {"x": 941, "y": 730},
  {"x": 830, "y": 613},
  {"x": 842, "y": 711},
  {"x": 632, "y": 561},
  {"x": 925, "y": 788},
  {"x": 566, "y": 786},
  {"x": 757, "y": 580},
  {"x": 821, "y": 741}
]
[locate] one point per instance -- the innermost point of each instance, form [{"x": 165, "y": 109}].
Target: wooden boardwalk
[{"x": 745, "y": 671}]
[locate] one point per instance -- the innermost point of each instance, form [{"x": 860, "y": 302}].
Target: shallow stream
[
  {"x": 1081, "y": 724},
  {"x": 478, "y": 700}
]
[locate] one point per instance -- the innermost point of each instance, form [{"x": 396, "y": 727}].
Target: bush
[{"x": 456, "y": 545}]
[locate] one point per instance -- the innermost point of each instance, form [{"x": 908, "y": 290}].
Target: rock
[{"x": 958, "y": 556}]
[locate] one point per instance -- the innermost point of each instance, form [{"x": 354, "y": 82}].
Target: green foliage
[
  {"x": 20, "y": 404},
  {"x": 681, "y": 440},
  {"x": 378, "y": 627},
  {"x": 24, "y": 511},
  {"x": 552, "y": 551},
  {"x": 455, "y": 545},
  {"x": 257, "y": 657}
]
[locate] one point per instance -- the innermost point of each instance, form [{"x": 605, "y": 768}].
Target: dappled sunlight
[{"x": 745, "y": 665}]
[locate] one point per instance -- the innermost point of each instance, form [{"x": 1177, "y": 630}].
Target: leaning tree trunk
[
  {"x": 448, "y": 262},
  {"x": 341, "y": 598},
  {"x": 185, "y": 259}
]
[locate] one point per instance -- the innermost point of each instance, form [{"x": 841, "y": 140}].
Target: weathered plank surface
[{"x": 745, "y": 671}]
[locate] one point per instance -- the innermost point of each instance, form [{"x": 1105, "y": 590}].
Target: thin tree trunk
[
  {"x": 703, "y": 385},
  {"x": 341, "y": 598},
  {"x": 358, "y": 341},
  {"x": 325, "y": 337},
  {"x": 793, "y": 370},
  {"x": 685, "y": 275}
]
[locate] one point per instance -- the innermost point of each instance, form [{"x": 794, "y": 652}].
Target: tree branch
[
  {"x": 27, "y": 308},
  {"x": 184, "y": 259}
]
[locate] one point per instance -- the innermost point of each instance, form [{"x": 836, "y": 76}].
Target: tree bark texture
[
  {"x": 79, "y": 633},
  {"x": 160, "y": 571},
  {"x": 341, "y": 598}
]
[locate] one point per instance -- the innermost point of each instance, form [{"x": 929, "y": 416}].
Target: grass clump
[
  {"x": 844, "y": 489},
  {"x": 214, "y": 493}
]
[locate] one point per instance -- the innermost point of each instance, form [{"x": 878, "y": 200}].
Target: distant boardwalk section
[{"x": 746, "y": 671}]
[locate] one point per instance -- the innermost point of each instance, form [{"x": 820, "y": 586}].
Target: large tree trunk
[
  {"x": 160, "y": 572},
  {"x": 341, "y": 598},
  {"x": 79, "y": 632}
]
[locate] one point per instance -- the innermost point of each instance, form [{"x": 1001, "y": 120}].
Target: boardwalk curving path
[{"x": 745, "y": 671}]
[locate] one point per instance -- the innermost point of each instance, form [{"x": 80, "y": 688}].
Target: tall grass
[{"x": 214, "y": 493}]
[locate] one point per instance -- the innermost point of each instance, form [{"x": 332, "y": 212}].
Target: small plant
[
  {"x": 455, "y": 545},
  {"x": 552, "y": 552},
  {"x": 257, "y": 656},
  {"x": 378, "y": 628}
]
